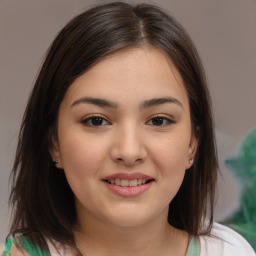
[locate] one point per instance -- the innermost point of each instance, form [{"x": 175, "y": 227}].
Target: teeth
[
  {"x": 124, "y": 183},
  {"x": 128, "y": 183},
  {"x": 133, "y": 183}
]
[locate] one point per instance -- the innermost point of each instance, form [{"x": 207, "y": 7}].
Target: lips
[{"x": 128, "y": 184}]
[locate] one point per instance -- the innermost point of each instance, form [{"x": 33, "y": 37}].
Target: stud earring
[
  {"x": 55, "y": 162},
  {"x": 191, "y": 161}
]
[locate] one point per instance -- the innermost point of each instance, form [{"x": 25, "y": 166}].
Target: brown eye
[
  {"x": 160, "y": 121},
  {"x": 95, "y": 121}
]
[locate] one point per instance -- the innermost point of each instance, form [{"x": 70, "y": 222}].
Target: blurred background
[{"x": 224, "y": 32}]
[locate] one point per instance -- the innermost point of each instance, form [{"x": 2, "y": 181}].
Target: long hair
[{"x": 42, "y": 200}]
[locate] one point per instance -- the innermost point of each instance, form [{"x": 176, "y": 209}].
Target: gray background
[{"x": 224, "y": 32}]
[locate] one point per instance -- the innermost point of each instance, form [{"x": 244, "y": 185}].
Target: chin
[{"x": 129, "y": 218}]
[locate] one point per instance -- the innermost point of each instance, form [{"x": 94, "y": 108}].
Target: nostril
[
  {"x": 129, "y": 161},
  {"x": 128, "y": 153}
]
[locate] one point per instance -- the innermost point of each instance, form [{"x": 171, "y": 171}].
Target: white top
[{"x": 222, "y": 242}]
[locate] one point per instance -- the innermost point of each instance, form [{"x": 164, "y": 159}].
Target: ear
[
  {"x": 192, "y": 147},
  {"x": 55, "y": 153}
]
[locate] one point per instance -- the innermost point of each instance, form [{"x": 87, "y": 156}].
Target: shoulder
[
  {"x": 224, "y": 241},
  {"x": 5, "y": 250},
  {"x": 26, "y": 248},
  {"x": 21, "y": 246}
]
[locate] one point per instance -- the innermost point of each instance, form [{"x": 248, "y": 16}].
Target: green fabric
[
  {"x": 26, "y": 244},
  {"x": 8, "y": 245},
  {"x": 193, "y": 248}
]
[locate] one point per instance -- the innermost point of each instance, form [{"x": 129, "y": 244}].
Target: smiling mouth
[{"x": 128, "y": 183}]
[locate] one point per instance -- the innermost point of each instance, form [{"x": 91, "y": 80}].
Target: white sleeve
[{"x": 224, "y": 242}]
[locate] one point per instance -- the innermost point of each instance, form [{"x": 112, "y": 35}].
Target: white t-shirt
[{"x": 224, "y": 242}]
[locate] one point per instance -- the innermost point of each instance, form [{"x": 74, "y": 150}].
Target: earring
[
  {"x": 191, "y": 161},
  {"x": 55, "y": 162}
]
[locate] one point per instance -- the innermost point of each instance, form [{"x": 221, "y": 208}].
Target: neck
[{"x": 105, "y": 239}]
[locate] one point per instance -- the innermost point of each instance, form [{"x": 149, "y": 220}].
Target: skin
[{"x": 127, "y": 138}]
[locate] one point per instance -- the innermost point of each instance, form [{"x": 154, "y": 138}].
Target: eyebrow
[
  {"x": 146, "y": 104},
  {"x": 159, "y": 101},
  {"x": 95, "y": 101}
]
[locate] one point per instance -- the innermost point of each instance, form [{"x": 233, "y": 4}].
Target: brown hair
[{"x": 42, "y": 200}]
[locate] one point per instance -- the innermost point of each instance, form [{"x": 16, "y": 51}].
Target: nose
[{"x": 128, "y": 146}]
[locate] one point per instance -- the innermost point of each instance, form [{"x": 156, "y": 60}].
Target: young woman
[{"x": 116, "y": 154}]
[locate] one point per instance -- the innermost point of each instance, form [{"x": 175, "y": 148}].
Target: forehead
[{"x": 139, "y": 73}]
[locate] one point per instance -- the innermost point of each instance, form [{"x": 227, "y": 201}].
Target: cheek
[
  {"x": 81, "y": 155},
  {"x": 170, "y": 158},
  {"x": 83, "y": 159},
  {"x": 171, "y": 154}
]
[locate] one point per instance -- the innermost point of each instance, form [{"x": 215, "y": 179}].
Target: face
[{"x": 124, "y": 138}]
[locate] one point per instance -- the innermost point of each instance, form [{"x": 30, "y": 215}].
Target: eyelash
[
  {"x": 91, "y": 118},
  {"x": 168, "y": 121}
]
